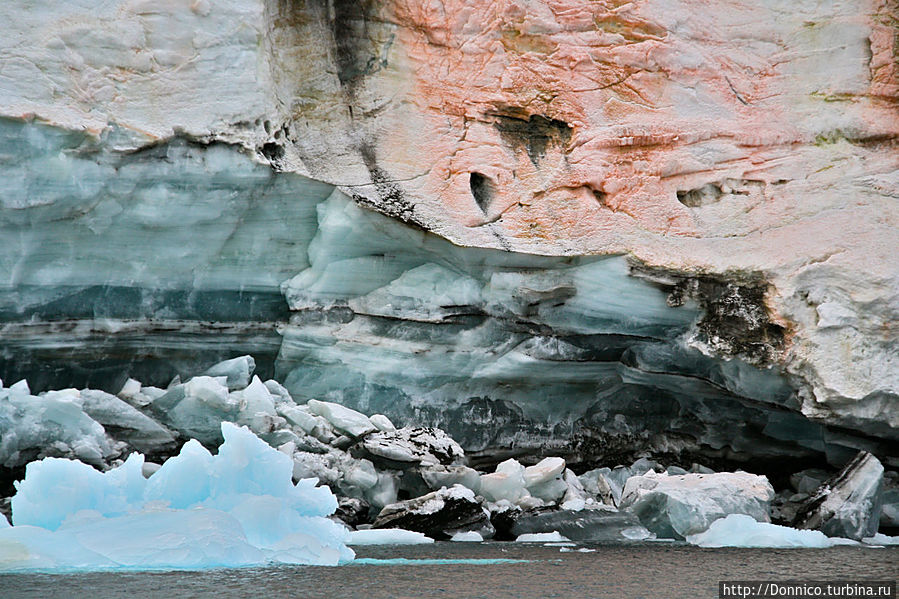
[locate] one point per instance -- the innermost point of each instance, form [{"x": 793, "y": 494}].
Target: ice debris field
[{"x": 89, "y": 507}]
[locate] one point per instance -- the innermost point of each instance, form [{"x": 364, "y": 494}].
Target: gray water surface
[{"x": 629, "y": 572}]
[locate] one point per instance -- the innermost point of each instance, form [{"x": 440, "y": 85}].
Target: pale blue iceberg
[
  {"x": 237, "y": 508},
  {"x": 740, "y": 530}
]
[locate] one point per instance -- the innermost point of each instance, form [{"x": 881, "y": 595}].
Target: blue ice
[{"x": 233, "y": 509}]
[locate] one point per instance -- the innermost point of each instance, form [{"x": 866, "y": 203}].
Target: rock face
[
  {"x": 849, "y": 504},
  {"x": 674, "y": 507},
  {"x": 744, "y": 157}
]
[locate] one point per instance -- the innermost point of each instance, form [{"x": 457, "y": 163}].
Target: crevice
[{"x": 482, "y": 190}]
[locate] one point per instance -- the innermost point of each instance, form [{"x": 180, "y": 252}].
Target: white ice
[
  {"x": 506, "y": 483},
  {"x": 740, "y": 530},
  {"x": 878, "y": 539},
  {"x": 344, "y": 419},
  {"x": 388, "y": 536},
  {"x": 467, "y": 536},
  {"x": 541, "y": 537},
  {"x": 237, "y": 508},
  {"x": 52, "y": 424}
]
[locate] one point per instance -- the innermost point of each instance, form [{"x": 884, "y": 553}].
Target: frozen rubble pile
[
  {"x": 392, "y": 484},
  {"x": 239, "y": 507}
]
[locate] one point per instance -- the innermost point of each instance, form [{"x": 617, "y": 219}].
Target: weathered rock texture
[{"x": 744, "y": 154}]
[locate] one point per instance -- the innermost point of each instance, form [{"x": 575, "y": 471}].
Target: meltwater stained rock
[{"x": 849, "y": 504}]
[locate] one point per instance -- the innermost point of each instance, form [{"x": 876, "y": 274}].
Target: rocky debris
[
  {"x": 849, "y": 504},
  {"x": 807, "y": 481},
  {"x": 676, "y": 506},
  {"x": 438, "y": 514},
  {"x": 785, "y": 506},
  {"x": 503, "y": 515},
  {"x": 411, "y": 446},
  {"x": 586, "y": 526},
  {"x": 889, "y": 513},
  {"x": 352, "y": 511}
]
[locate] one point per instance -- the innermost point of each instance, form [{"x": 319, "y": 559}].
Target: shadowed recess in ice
[{"x": 237, "y": 508}]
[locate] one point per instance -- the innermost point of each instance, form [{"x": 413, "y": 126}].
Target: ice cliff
[{"x": 595, "y": 229}]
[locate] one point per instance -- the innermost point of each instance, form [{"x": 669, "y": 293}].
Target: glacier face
[
  {"x": 520, "y": 353},
  {"x": 143, "y": 231},
  {"x": 123, "y": 253},
  {"x": 160, "y": 261}
]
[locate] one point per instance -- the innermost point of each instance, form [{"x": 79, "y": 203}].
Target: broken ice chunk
[
  {"x": 589, "y": 525},
  {"x": 439, "y": 476},
  {"x": 541, "y": 537},
  {"x": 544, "y": 471},
  {"x": 676, "y": 506},
  {"x": 436, "y": 514},
  {"x": 21, "y": 387},
  {"x": 467, "y": 536},
  {"x": 740, "y": 530},
  {"x": 237, "y": 371},
  {"x": 387, "y": 536},
  {"x": 595, "y": 483},
  {"x": 49, "y": 425},
  {"x": 384, "y": 492},
  {"x": 412, "y": 445},
  {"x": 382, "y": 422},
  {"x": 848, "y": 505},
  {"x": 257, "y": 409},
  {"x": 127, "y": 423},
  {"x": 506, "y": 483},
  {"x": 279, "y": 392},
  {"x": 351, "y": 422},
  {"x": 237, "y": 508}
]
